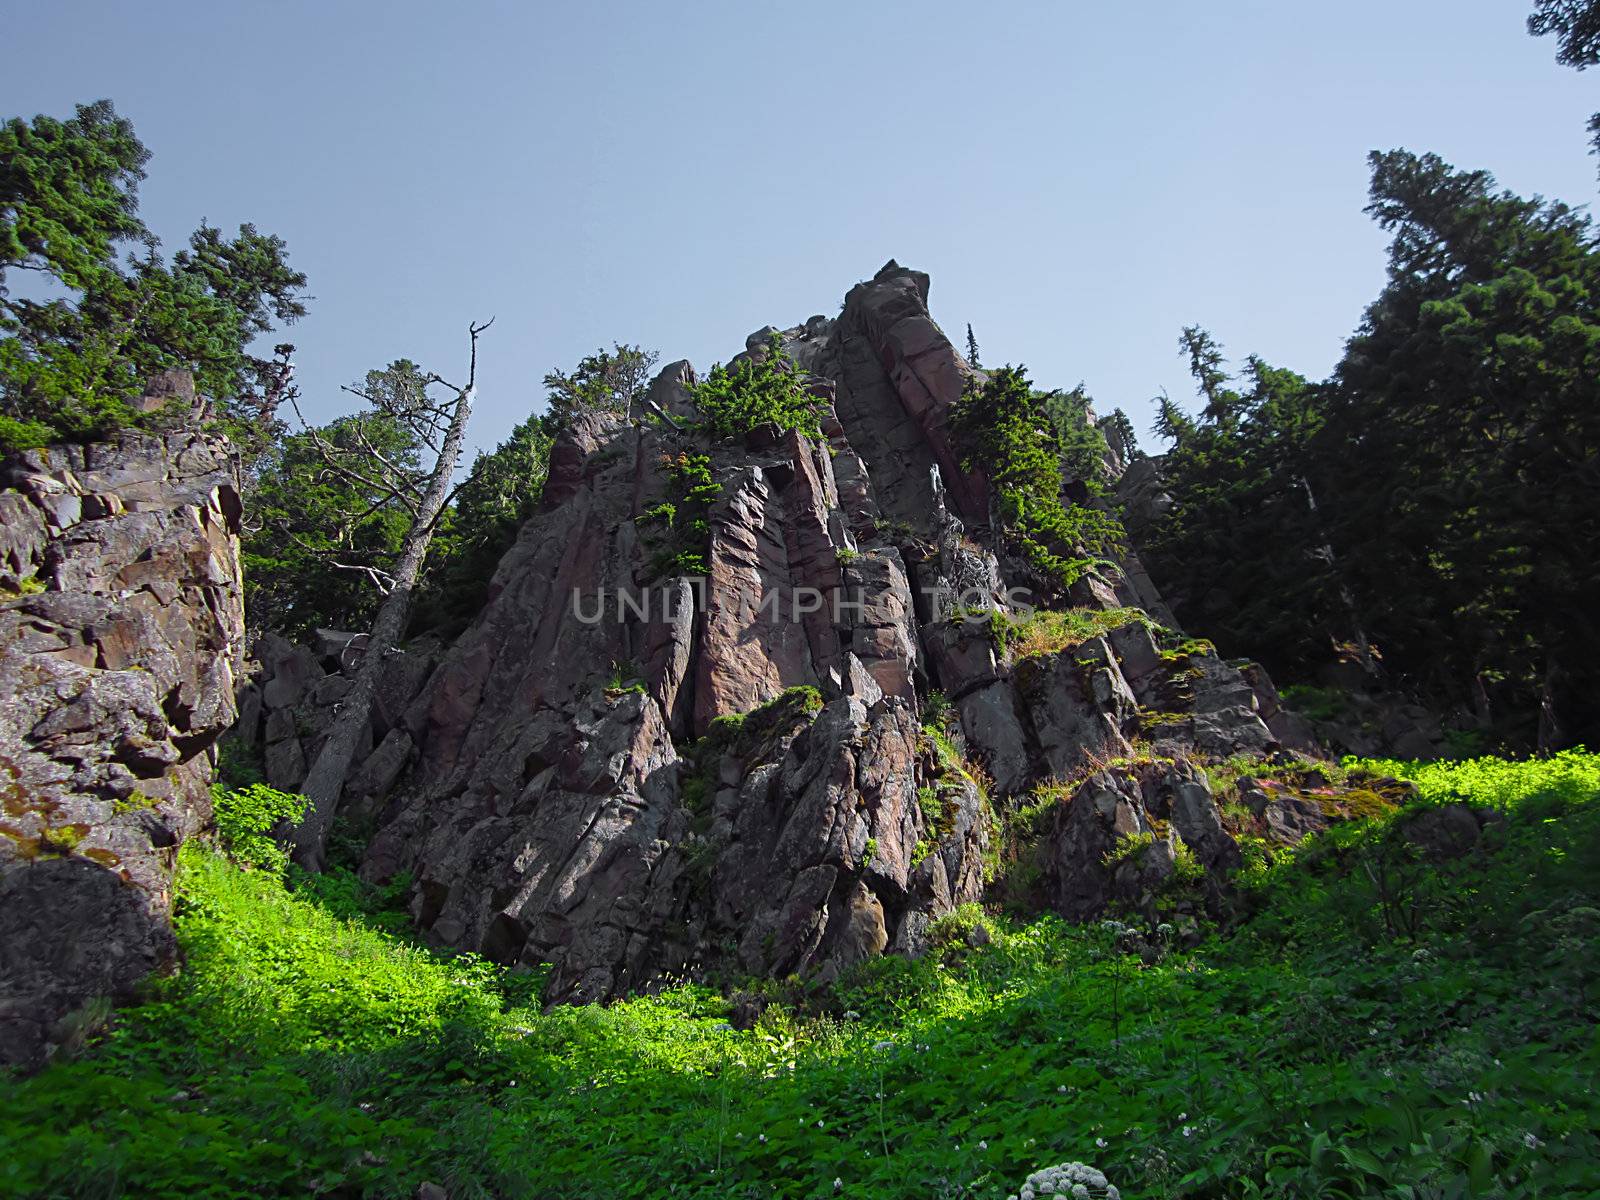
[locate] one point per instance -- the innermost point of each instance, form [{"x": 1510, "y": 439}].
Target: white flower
[
  {"x": 880, "y": 1046},
  {"x": 838, "y": 1184},
  {"x": 1100, "y": 1143},
  {"x": 1061, "y": 1088},
  {"x": 1530, "y": 1141},
  {"x": 762, "y": 1139},
  {"x": 983, "y": 1145},
  {"x": 1188, "y": 1131}
]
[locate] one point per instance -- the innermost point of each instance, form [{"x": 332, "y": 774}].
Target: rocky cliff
[
  {"x": 121, "y": 629},
  {"x": 808, "y": 754}
]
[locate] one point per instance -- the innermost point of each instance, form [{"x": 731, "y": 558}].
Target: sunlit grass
[{"x": 302, "y": 1051}]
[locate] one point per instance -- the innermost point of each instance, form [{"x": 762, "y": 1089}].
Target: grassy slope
[{"x": 308, "y": 1049}]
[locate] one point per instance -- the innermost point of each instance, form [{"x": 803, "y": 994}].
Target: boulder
[{"x": 119, "y": 675}]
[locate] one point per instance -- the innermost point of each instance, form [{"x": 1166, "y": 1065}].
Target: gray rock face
[
  {"x": 565, "y": 784},
  {"x": 559, "y": 809},
  {"x": 120, "y": 634}
]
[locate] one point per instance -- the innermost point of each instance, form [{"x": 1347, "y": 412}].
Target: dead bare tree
[{"x": 441, "y": 426}]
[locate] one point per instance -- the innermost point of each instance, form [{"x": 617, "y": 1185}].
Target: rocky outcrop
[
  {"x": 801, "y": 756},
  {"x": 574, "y": 798},
  {"x": 289, "y": 699},
  {"x": 120, "y": 630}
]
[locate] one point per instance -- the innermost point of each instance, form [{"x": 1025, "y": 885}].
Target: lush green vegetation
[
  {"x": 678, "y": 530},
  {"x": 761, "y": 388},
  {"x": 305, "y": 517},
  {"x": 1047, "y": 631},
  {"x": 244, "y": 817},
  {"x": 1009, "y": 436},
  {"x": 1313, "y": 1051},
  {"x": 71, "y": 365},
  {"x": 1083, "y": 444},
  {"x": 1427, "y": 513},
  {"x": 607, "y": 381}
]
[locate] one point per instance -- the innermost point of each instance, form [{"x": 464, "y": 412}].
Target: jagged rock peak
[{"x": 627, "y": 769}]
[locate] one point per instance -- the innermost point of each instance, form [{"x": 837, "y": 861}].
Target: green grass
[
  {"x": 1315, "y": 1050},
  {"x": 1047, "y": 631}
]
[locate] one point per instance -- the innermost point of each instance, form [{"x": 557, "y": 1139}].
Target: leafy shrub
[
  {"x": 684, "y": 515},
  {"x": 1128, "y": 847},
  {"x": 938, "y": 712},
  {"x": 959, "y": 926},
  {"x": 244, "y": 819}
]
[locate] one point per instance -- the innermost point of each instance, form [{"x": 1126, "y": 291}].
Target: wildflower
[
  {"x": 983, "y": 1145},
  {"x": 1061, "y": 1087},
  {"x": 851, "y": 1014},
  {"x": 838, "y": 1184},
  {"x": 1100, "y": 1143},
  {"x": 881, "y": 1046},
  {"x": 762, "y": 1139},
  {"x": 1531, "y": 1141},
  {"x": 1075, "y": 1179},
  {"x": 1188, "y": 1131}
]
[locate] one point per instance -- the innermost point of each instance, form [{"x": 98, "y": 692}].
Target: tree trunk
[
  {"x": 325, "y": 783},
  {"x": 1369, "y": 662}
]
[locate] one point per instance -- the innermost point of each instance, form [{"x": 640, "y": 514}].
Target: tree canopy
[
  {"x": 1437, "y": 492},
  {"x": 1011, "y": 436},
  {"x": 1576, "y": 26},
  {"x": 72, "y": 363}
]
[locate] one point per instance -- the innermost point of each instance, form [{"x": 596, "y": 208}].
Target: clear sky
[{"x": 1079, "y": 180}]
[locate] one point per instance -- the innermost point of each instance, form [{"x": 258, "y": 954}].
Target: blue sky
[{"x": 1079, "y": 180}]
